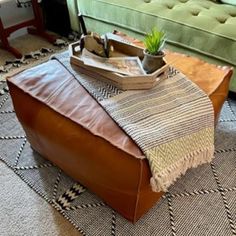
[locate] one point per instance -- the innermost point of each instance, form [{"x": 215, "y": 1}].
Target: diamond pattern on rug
[
  {"x": 232, "y": 106},
  {"x": 9, "y": 150},
  {"x": 231, "y": 199},
  {"x": 195, "y": 179},
  {"x": 225, "y": 136},
  {"x": 3, "y": 99},
  {"x": 225, "y": 164},
  {"x": 64, "y": 201},
  {"x": 200, "y": 203},
  {"x": 9, "y": 125},
  {"x": 30, "y": 159},
  {"x": 7, "y": 106},
  {"x": 43, "y": 181},
  {"x": 227, "y": 113},
  {"x": 85, "y": 198},
  {"x": 63, "y": 184},
  {"x": 96, "y": 221},
  {"x": 210, "y": 220},
  {"x": 156, "y": 222}
]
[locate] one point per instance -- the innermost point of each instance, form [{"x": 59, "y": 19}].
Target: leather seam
[{"x": 138, "y": 192}]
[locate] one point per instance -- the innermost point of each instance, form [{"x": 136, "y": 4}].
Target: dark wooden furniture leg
[
  {"x": 5, "y": 44},
  {"x": 38, "y": 24},
  {"x": 38, "y": 29}
]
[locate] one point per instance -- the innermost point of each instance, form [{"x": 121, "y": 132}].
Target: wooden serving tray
[{"x": 123, "y": 82}]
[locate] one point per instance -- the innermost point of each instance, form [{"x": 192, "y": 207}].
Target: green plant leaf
[{"x": 155, "y": 41}]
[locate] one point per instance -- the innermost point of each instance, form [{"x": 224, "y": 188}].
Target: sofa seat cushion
[{"x": 202, "y": 25}]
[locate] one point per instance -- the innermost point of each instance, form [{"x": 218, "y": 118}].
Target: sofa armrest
[{"x": 73, "y": 13}]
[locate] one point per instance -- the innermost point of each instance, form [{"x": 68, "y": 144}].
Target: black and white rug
[
  {"x": 33, "y": 58},
  {"x": 203, "y": 202}
]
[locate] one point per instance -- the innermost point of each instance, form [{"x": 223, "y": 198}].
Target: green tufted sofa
[{"x": 202, "y": 28}]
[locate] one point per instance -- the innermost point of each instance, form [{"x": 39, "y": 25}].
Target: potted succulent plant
[{"x": 153, "y": 53}]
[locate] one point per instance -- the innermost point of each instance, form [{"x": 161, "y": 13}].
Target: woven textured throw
[{"x": 173, "y": 123}]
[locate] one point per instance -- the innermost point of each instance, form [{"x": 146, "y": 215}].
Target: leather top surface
[{"x": 55, "y": 87}]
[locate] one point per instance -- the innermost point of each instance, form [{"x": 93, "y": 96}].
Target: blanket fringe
[{"x": 162, "y": 181}]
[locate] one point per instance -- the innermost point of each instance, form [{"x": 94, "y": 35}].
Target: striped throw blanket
[{"x": 173, "y": 123}]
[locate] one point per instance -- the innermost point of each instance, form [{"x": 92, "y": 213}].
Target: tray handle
[
  {"x": 72, "y": 48},
  {"x": 163, "y": 69}
]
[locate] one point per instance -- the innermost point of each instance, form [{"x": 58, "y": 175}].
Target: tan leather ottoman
[{"x": 67, "y": 126}]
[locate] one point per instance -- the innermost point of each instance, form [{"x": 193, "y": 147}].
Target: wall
[{"x": 11, "y": 15}]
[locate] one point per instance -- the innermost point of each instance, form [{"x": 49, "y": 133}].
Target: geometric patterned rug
[{"x": 202, "y": 202}]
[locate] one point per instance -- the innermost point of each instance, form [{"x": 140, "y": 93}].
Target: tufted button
[
  {"x": 195, "y": 13},
  {"x": 169, "y": 6},
  {"x": 221, "y": 20},
  {"x": 233, "y": 14}
]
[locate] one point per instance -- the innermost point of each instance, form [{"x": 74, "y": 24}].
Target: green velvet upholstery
[
  {"x": 73, "y": 13},
  {"x": 200, "y": 26},
  {"x": 232, "y": 2}
]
